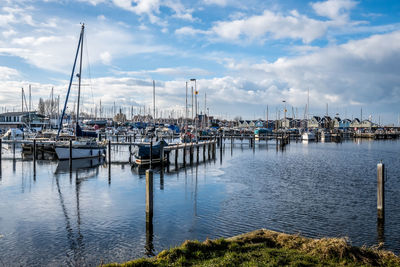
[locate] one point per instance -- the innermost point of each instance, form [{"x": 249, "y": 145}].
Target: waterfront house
[
  {"x": 260, "y": 124},
  {"x": 367, "y": 124},
  {"x": 326, "y": 122},
  {"x": 336, "y": 122},
  {"x": 287, "y": 123},
  {"x": 242, "y": 124},
  {"x": 344, "y": 124},
  {"x": 355, "y": 124},
  {"x": 23, "y": 120},
  {"x": 314, "y": 122}
]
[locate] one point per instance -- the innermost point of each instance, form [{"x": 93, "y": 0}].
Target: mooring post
[
  {"x": 151, "y": 152},
  {"x": 168, "y": 160},
  {"x": 162, "y": 156},
  {"x": 109, "y": 156},
  {"x": 381, "y": 191},
  {"x": 176, "y": 157},
  {"x": 184, "y": 155},
  {"x": 70, "y": 154},
  {"x": 1, "y": 149},
  {"x": 197, "y": 152},
  {"x": 130, "y": 153},
  {"x": 191, "y": 153},
  {"x": 14, "y": 150},
  {"x": 149, "y": 192}
]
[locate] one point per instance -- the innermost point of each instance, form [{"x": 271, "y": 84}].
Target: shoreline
[{"x": 266, "y": 247}]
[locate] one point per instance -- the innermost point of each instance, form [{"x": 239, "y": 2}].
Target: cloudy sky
[{"x": 245, "y": 55}]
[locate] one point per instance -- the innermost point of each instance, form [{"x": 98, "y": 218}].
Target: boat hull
[
  {"x": 308, "y": 136},
  {"x": 80, "y": 152}
]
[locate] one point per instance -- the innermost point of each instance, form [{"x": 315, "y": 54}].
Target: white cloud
[
  {"x": 216, "y": 2},
  {"x": 362, "y": 71},
  {"x": 105, "y": 58},
  {"x": 9, "y": 33},
  {"x": 190, "y": 31},
  {"x": 334, "y": 9},
  {"x": 179, "y": 72},
  {"x": 7, "y": 73},
  {"x": 57, "y": 46},
  {"x": 278, "y": 26}
]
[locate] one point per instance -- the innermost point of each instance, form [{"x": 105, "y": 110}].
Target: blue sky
[{"x": 245, "y": 55}]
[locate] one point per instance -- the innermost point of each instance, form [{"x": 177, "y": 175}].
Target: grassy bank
[{"x": 269, "y": 248}]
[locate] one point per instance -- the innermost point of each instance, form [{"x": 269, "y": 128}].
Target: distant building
[
  {"x": 355, "y": 123},
  {"x": 314, "y": 122},
  {"x": 345, "y": 124},
  {"x": 287, "y": 123},
  {"x": 23, "y": 120}
]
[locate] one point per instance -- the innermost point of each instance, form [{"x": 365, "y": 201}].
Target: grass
[{"x": 269, "y": 248}]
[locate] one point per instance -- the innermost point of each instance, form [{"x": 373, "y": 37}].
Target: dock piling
[
  {"x": 109, "y": 160},
  {"x": 151, "y": 152},
  {"x": 149, "y": 192},
  {"x": 70, "y": 154},
  {"x": 381, "y": 191}
]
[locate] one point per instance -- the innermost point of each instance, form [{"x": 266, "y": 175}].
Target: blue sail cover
[
  {"x": 143, "y": 151},
  {"x": 81, "y": 133}
]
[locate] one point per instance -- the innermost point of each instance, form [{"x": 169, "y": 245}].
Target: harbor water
[{"x": 90, "y": 216}]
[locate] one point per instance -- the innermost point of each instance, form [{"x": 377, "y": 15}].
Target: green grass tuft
[{"x": 269, "y": 248}]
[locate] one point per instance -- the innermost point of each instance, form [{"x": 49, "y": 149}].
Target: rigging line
[{"x": 89, "y": 72}]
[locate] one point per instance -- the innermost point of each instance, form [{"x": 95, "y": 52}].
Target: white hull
[
  {"x": 308, "y": 136},
  {"x": 80, "y": 153}
]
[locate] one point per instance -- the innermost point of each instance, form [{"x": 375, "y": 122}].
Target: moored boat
[
  {"x": 141, "y": 152},
  {"x": 308, "y": 136}
]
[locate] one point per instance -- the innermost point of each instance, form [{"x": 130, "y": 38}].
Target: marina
[
  {"x": 306, "y": 188},
  {"x": 199, "y": 133}
]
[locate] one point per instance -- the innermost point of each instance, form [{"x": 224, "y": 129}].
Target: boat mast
[
  {"x": 79, "y": 81},
  {"x": 70, "y": 83},
  {"x": 154, "y": 101}
]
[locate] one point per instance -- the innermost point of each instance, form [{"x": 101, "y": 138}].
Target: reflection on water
[{"x": 91, "y": 213}]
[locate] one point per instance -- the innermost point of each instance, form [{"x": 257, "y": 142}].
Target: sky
[{"x": 248, "y": 57}]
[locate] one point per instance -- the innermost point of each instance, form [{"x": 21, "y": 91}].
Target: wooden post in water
[
  {"x": 1, "y": 149},
  {"x": 130, "y": 153},
  {"x": 191, "y": 153},
  {"x": 151, "y": 152},
  {"x": 204, "y": 151},
  {"x": 176, "y": 158},
  {"x": 208, "y": 150},
  {"x": 149, "y": 192},
  {"x": 184, "y": 155},
  {"x": 70, "y": 154},
  {"x": 381, "y": 191},
  {"x": 34, "y": 158},
  {"x": 109, "y": 158},
  {"x": 162, "y": 156},
  {"x": 197, "y": 152},
  {"x": 14, "y": 150}
]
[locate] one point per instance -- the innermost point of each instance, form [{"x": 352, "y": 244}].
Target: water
[{"x": 86, "y": 217}]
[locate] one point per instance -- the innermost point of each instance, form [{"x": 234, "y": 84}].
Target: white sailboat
[
  {"x": 85, "y": 145},
  {"x": 308, "y": 135}
]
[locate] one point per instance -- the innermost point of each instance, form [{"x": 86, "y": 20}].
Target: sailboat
[
  {"x": 308, "y": 135},
  {"x": 85, "y": 145}
]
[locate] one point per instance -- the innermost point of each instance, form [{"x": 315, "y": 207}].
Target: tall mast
[
  {"x": 186, "y": 109},
  {"x": 154, "y": 101},
  {"x": 30, "y": 106},
  {"x": 70, "y": 83},
  {"x": 79, "y": 80},
  {"x": 308, "y": 104},
  {"x": 22, "y": 100}
]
